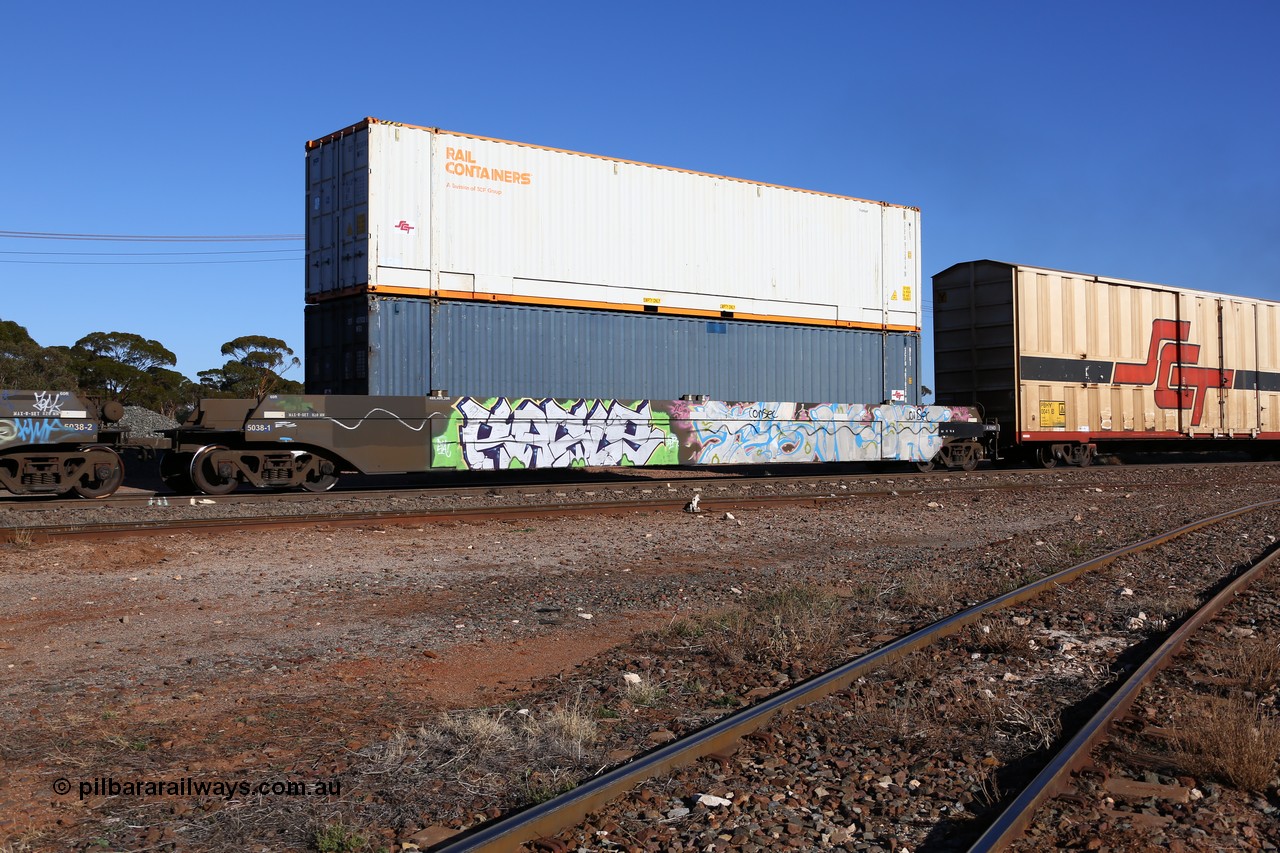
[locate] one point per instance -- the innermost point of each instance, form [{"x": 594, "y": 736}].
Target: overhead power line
[
  {"x": 155, "y": 238},
  {"x": 151, "y": 254},
  {"x": 155, "y": 263}
]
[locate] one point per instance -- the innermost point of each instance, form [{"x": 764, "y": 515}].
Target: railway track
[
  {"x": 295, "y": 633},
  {"x": 163, "y": 514},
  {"x": 1056, "y": 776},
  {"x": 549, "y": 824}
]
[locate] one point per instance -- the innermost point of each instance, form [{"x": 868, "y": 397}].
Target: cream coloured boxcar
[{"x": 1071, "y": 363}]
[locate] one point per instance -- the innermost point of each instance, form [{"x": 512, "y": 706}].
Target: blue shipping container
[{"x": 411, "y": 346}]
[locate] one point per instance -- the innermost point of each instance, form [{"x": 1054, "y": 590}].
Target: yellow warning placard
[{"x": 1053, "y": 414}]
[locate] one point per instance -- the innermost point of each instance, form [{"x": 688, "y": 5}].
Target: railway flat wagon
[
  {"x": 448, "y": 262},
  {"x": 1070, "y": 363},
  {"x": 54, "y": 442},
  {"x": 307, "y": 441}
]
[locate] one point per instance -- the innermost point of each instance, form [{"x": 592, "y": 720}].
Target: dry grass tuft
[
  {"x": 924, "y": 589},
  {"x": 1164, "y": 608},
  {"x": 684, "y": 630},
  {"x": 1229, "y": 739},
  {"x": 900, "y": 699},
  {"x": 567, "y": 730},
  {"x": 542, "y": 785},
  {"x": 18, "y": 845},
  {"x": 997, "y": 636},
  {"x": 480, "y": 730},
  {"x": 21, "y": 538},
  {"x": 1258, "y": 663},
  {"x": 339, "y": 837},
  {"x": 645, "y": 692},
  {"x": 1026, "y": 726},
  {"x": 793, "y": 625}
]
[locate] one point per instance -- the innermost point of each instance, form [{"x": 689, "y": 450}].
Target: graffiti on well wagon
[
  {"x": 911, "y": 432},
  {"x": 755, "y": 433},
  {"x": 502, "y": 433},
  {"x": 39, "y": 430}
]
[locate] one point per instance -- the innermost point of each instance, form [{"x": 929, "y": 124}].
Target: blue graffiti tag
[{"x": 37, "y": 430}]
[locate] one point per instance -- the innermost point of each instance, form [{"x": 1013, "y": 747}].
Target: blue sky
[{"x": 1136, "y": 140}]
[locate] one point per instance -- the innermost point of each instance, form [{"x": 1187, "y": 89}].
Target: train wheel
[
  {"x": 323, "y": 483},
  {"x": 206, "y": 476},
  {"x": 321, "y": 475},
  {"x": 1045, "y": 457},
  {"x": 175, "y": 471},
  {"x": 106, "y": 473},
  {"x": 969, "y": 461},
  {"x": 930, "y": 464},
  {"x": 1083, "y": 456}
]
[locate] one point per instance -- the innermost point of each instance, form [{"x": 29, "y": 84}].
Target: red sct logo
[
  {"x": 404, "y": 226},
  {"x": 1169, "y": 364}
]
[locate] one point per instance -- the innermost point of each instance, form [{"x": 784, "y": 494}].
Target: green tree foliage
[
  {"x": 117, "y": 365},
  {"x": 27, "y": 366},
  {"x": 254, "y": 370},
  {"x": 168, "y": 392},
  {"x": 134, "y": 370}
]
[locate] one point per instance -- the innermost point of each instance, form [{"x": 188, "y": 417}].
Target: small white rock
[{"x": 713, "y": 800}]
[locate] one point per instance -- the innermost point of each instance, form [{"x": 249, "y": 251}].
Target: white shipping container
[{"x": 397, "y": 209}]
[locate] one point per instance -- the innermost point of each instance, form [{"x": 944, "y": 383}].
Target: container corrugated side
[
  {"x": 414, "y": 346},
  {"x": 460, "y": 216}
]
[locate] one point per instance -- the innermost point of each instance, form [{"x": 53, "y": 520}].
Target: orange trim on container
[
  {"x": 361, "y": 125},
  {"x": 469, "y": 296}
]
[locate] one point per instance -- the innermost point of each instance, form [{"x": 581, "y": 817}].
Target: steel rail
[
  {"x": 365, "y": 487},
  {"x": 43, "y": 533},
  {"x": 546, "y": 819},
  {"x": 1055, "y": 776}
]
